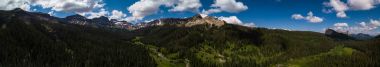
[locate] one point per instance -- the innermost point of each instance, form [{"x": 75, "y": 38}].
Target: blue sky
[{"x": 263, "y": 13}]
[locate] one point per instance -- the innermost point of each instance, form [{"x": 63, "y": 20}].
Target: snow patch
[{"x": 203, "y": 15}]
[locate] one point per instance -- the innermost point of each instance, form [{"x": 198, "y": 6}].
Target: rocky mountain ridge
[{"x": 104, "y": 22}]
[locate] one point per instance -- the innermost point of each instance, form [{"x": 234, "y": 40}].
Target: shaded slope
[
  {"x": 31, "y": 40},
  {"x": 337, "y": 35}
]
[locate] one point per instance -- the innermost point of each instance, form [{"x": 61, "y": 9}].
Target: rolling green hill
[{"x": 238, "y": 46}]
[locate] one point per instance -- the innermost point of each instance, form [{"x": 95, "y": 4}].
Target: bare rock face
[
  {"x": 330, "y": 32},
  {"x": 77, "y": 19},
  {"x": 338, "y": 36},
  {"x": 202, "y": 19},
  {"x": 187, "y": 22}
]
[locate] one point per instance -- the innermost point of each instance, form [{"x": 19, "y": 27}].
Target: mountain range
[
  {"x": 104, "y": 22},
  {"x": 29, "y": 39}
]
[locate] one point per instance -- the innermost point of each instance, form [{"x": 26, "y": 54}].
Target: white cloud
[
  {"x": 187, "y": 5},
  {"x": 362, "y": 27},
  {"x": 78, "y": 6},
  {"x": 341, "y": 14},
  {"x": 341, "y": 25},
  {"x": 12, "y": 4},
  {"x": 338, "y": 6},
  {"x": 249, "y": 24},
  {"x": 310, "y": 18},
  {"x": 361, "y": 4},
  {"x": 91, "y": 15},
  {"x": 314, "y": 19},
  {"x": 341, "y": 7},
  {"x": 363, "y": 24},
  {"x": 131, "y": 19},
  {"x": 144, "y": 8},
  {"x": 374, "y": 23},
  {"x": 231, "y": 6},
  {"x": 236, "y": 20},
  {"x": 297, "y": 16},
  {"x": 211, "y": 11},
  {"x": 117, "y": 15},
  {"x": 231, "y": 20}
]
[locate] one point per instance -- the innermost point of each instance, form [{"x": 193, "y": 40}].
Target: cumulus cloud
[
  {"x": 249, "y": 24},
  {"x": 231, "y": 6},
  {"x": 236, "y": 20},
  {"x": 341, "y": 7},
  {"x": 338, "y": 6},
  {"x": 91, "y": 15},
  {"x": 310, "y": 18},
  {"x": 12, "y": 4},
  {"x": 297, "y": 16},
  {"x": 144, "y": 8},
  {"x": 187, "y": 5},
  {"x": 78, "y": 6},
  {"x": 341, "y": 14},
  {"x": 363, "y": 24},
  {"x": 314, "y": 19},
  {"x": 211, "y": 11},
  {"x": 361, "y": 4},
  {"x": 114, "y": 14},
  {"x": 375, "y": 22},
  {"x": 117, "y": 15},
  {"x": 341, "y": 25},
  {"x": 231, "y": 19},
  {"x": 362, "y": 27}
]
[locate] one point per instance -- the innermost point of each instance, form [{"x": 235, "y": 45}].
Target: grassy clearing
[{"x": 303, "y": 62}]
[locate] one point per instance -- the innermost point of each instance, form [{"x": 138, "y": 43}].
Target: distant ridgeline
[
  {"x": 378, "y": 36},
  {"x": 346, "y": 36},
  {"x": 180, "y": 22},
  {"x": 29, "y": 39},
  {"x": 337, "y": 35}
]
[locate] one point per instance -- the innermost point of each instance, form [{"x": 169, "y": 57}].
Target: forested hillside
[
  {"x": 239, "y": 46},
  {"x": 27, "y": 40},
  {"x": 37, "y": 40}
]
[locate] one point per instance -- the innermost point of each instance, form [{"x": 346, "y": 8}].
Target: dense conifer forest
[{"x": 30, "y": 40}]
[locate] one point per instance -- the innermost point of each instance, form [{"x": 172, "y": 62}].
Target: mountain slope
[
  {"x": 234, "y": 45},
  {"x": 378, "y": 36},
  {"x": 362, "y": 36},
  {"x": 37, "y": 40},
  {"x": 29, "y": 40},
  {"x": 337, "y": 35}
]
